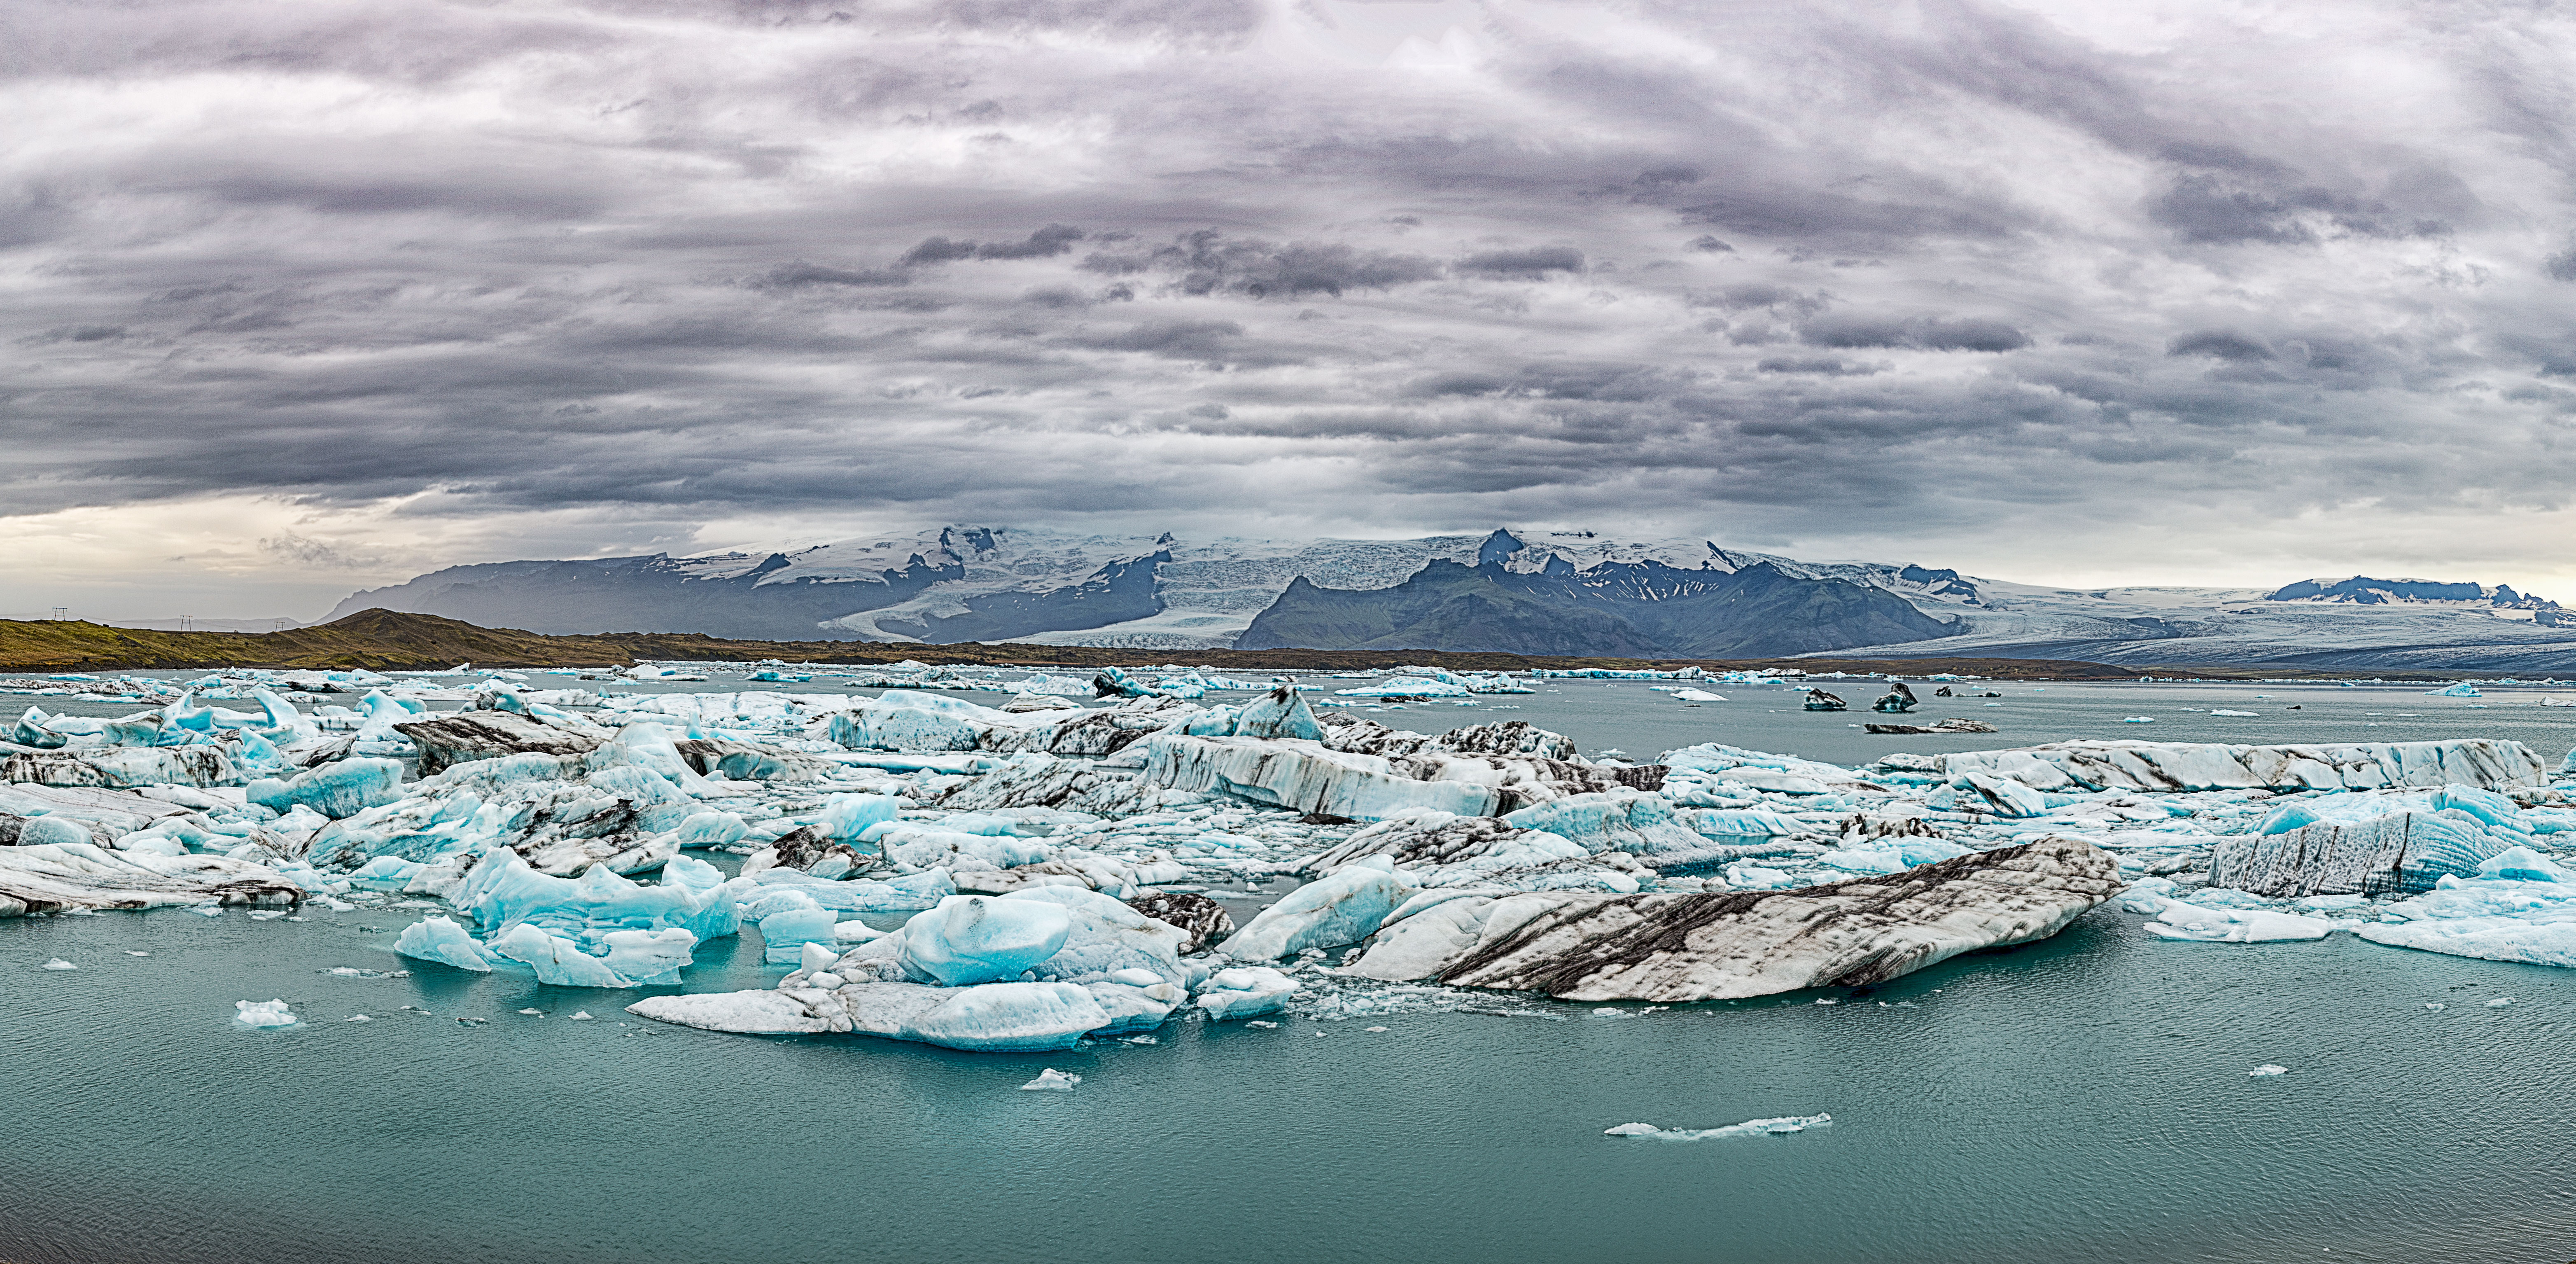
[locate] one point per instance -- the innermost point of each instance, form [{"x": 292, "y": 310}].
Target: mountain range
[{"x": 1529, "y": 592}]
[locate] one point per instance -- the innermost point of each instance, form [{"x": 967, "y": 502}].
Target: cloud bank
[{"x": 321, "y": 295}]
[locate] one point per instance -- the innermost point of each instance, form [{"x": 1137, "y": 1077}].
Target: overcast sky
[{"x": 307, "y": 297}]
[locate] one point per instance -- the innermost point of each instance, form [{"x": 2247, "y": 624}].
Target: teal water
[{"x": 2082, "y": 1098}]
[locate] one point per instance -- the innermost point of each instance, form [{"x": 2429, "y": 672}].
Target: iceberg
[
  {"x": 1614, "y": 820},
  {"x": 2398, "y": 853},
  {"x": 1009, "y": 1018},
  {"x": 557, "y": 960},
  {"x": 753, "y": 1013},
  {"x": 785, "y": 935},
  {"x": 441, "y": 939},
  {"x": 1343, "y": 907},
  {"x": 2179, "y": 766},
  {"x": 338, "y": 791},
  {"x": 972, "y": 939},
  {"x": 1306, "y": 776},
  {"x": 1106, "y": 939},
  {"x": 1671, "y": 947},
  {"x": 84, "y": 877},
  {"x": 124, "y": 767},
  {"x": 1245, "y": 992}
]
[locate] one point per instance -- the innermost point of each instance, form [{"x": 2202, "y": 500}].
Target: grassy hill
[{"x": 384, "y": 640}]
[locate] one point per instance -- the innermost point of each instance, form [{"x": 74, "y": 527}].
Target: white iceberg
[
  {"x": 270, "y": 1013},
  {"x": 1344, "y": 907},
  {"x": 1782, "y": 1126},
  {"x": 982, "y": 939}
]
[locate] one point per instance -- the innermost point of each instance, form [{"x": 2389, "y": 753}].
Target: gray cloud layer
[{"x": 1849, "y": 279}]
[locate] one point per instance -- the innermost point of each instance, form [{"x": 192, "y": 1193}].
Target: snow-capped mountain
[{"x": 1662, "y": 596}]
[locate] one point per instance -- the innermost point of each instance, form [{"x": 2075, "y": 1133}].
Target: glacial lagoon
[{"x": 2090, "y": 1095}]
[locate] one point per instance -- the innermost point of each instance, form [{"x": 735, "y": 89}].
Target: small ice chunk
[
  {"x": 1373, "y": 1029},
  {"x": 1243, "y": 991},
  {"x": 270, "y": 1013},
  {"x": 357, "y": 1018},
  {"x": 2235, "y": 926},
  {"x": 1260, "y": 1023},
  {"x": 2268, "y": 1069},
  {"x": 58, "y": 963},
  {"x": 815, "y": 957},
  {"x": 208, "y": 910},
  {"x": 2435, "y": 1005},
  {"x": 1051, "y": 1080},
  {"x": 2500, "y": 1002},
  {"x": 135, "y": 953},
  {"x": 580, "y": 1016},
  {"x": 538, "y": 1012},
  {"x": 1749, "y": 1128},
  {"x": 1135, "y": 977}
]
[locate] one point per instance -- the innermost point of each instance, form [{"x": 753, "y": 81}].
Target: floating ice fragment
[
  {"x": 538, "y": 1012},
  {"x": 2435, "y": 1005},
  {"x": 1750, "y": 1128},
  {"x": 2235, "y": 926},
  {"x": 441, "y": 939},
  {"x": 357, "y": 1018},
  {"x": 1051, "y": 1080},
  {"x": 2268, "y": 1069},
  {"x": 1260, "y": 1023},
  {"x": 580, "y": 1016},
  {"x": 270, "y": 1013},
  {"x": 2137, "y": 719},
  {"x": 208, "y": 910},
  {"x": 1243, "y": 991},
  {"x": 135, "y": 953},
  {"x": 1374, "y": 1029},
  {"x": 2500, "y": 1002},
  {"x": 58, "y": 963},
  {"x": 2241, "y": 715}
]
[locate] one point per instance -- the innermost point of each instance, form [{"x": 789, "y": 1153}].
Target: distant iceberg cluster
[{"x": 1047, "y": 874}]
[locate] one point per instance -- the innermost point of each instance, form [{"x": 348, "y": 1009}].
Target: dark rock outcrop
[{"x": 1204, "y": 920}]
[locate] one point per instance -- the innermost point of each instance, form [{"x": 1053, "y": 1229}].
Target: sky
[{"x": 296, "y": 299}]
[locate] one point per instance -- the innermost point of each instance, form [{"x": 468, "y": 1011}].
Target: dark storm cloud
[
  {"x": 2220, "y": 343},
  {"x": 1208, "y": 262},
  {"x": 1922, "y": 333},
  {"x": 1343, "y": 267},
  {"x": 1532, "y": 264}
]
